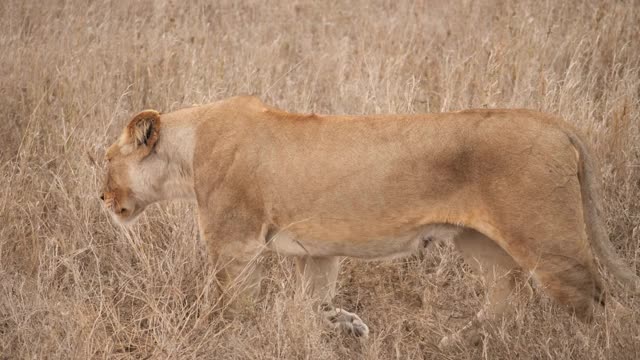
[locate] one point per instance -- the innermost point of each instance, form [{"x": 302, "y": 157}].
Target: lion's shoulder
[
  {"x": 244, "y": 103},
  {"x": 254, "y": 107}
]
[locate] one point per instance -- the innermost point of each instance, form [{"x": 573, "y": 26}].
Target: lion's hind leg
[
  {"x": 558, "y": 255},
  {"x": 572, "y": 282},
  {"x": 500, "y": 274}
]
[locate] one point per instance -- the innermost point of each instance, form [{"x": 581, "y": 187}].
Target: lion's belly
[{"x": 291, "y": 244}]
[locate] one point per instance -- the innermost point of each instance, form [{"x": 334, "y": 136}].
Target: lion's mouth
[
  {"x": 126, "y": 215},
  {"x": 122, "y": 212}
]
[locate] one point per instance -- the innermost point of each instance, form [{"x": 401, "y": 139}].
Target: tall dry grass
[{"x": 74, "y": 285}]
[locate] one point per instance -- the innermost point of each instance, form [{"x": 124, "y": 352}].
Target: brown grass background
[{"x": 72, "y": 73}]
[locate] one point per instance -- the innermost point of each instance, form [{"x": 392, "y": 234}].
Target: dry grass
[{"x": 73, "y": 285}]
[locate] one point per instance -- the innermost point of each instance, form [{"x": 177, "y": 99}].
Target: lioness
[{"x": 516, "y": 190}]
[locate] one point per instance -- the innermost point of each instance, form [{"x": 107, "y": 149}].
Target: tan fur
[{"x": 516, "y": 190}]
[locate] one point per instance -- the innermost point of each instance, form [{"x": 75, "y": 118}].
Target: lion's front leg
[
  {"x": 318, "y": 277},
  {"x": 238, "y": 271},
  {"x": 234, "y": 251}
]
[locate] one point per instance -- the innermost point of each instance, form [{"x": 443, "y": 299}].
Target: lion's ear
[{"x": 144, "y": 129}]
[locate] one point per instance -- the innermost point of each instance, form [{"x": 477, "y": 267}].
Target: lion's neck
[{"x": 176, "y": 149}]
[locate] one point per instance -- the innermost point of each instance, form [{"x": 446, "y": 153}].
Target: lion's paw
[
  {"x": 467, "y": 336},
  {"x": 449, "y": 341},
  {"x": 347, "y": 322}
]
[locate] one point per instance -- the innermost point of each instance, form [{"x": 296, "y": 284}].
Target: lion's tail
[{"x": 593, "y": 212}]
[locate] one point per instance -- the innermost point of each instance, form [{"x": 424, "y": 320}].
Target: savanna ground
[{"x": 72, "y": 73}]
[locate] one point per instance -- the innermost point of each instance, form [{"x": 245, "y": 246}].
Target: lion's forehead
[{"x": 120, "y": 148}]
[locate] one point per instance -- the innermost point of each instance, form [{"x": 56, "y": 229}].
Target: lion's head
[{"x": 132, "y": 168}]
